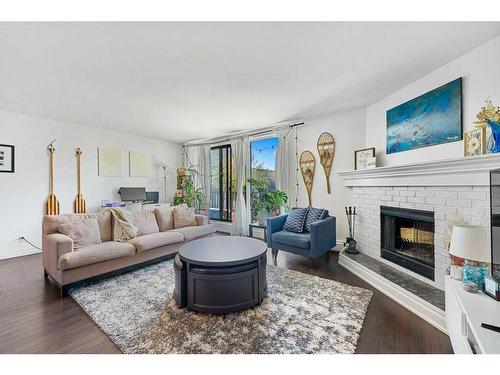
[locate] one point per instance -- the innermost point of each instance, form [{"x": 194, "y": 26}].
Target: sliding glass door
[
  {"x": 221, "y": 197},
  {"x": 263, "y": 164}
]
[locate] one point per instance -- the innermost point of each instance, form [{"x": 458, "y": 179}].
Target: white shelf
[
  {"x": 464, "y": 314},
  {"x": 461, "y": 171}
]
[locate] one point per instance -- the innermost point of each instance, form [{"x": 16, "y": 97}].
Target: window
[
  {"x": 221, "y": 195},
  {"x": 263, "y": 162}
]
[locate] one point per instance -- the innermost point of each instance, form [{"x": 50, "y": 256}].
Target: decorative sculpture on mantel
[
  {"x": 489, "y": 116},
  {"x": 307, "y": 164},
  {"x": 326, "y": 151}
]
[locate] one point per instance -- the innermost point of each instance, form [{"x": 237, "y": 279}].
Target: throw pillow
[
  {"x": 146, "y": 222},
  {"x": 184, "y": 216},
  {"x": 295, "y": 220},
  {"x": 165, "y": 218},
  {"x": 314, "y": 214},
  {"x": 83, "y": 233},
  {"x": 105, "y": 224}
]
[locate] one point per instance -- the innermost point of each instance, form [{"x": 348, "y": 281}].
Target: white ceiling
[{"x": 186, "y": 81}]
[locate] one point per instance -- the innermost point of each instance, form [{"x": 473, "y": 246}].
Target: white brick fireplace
[{"x": 452, "y": 189}]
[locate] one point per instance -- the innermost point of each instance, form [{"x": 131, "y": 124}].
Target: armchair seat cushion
[
  {"x": 154, "y": 240},
  {"x": 193, "y": 232},
  {"x": 94, "y": 254},
  {"x": 292, "y": 239}
]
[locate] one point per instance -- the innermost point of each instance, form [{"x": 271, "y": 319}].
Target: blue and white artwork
[{"x": 430, "y": 119}]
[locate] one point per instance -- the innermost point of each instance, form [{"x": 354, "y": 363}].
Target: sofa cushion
[
  {"x": 295, "y": 220},
  {"x": 154, "y": 240},
  {"x": 82, "y": 233},
  {"x": 95, "y": 254},
  {"x": 314, "y": 214},
  {"x": 165, "y": 218},
  {"x": 300, "y": 240},
  {"x": 191, "y": 233},
  {"x": 105, "y": 221},
  {"x": 184, "y": 216},
  {"x": 51, "y": 222},
  {"x": 146, "y": 222}
]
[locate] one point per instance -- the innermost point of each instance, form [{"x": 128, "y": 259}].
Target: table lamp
[{"x": 472, "y": 242}]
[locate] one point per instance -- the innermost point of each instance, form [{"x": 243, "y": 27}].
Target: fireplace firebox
[{"x": 407, "y": 239}]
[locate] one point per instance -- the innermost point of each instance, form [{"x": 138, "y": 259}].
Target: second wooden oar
[{"x": 80, "y": 205}]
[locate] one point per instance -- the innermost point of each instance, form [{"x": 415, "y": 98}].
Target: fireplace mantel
[{"x": 449, "y": 172}]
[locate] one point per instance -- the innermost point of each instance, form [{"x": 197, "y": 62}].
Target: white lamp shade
[{"x": 471, "y": 242}]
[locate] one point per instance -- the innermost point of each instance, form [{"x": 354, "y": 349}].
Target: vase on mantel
[{"x": 495, "y": 132}]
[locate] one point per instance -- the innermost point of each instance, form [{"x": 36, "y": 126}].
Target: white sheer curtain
[
  {"x": 241, "y": 154},
  {"x": 286, "y": 164},
  {"x": 198, "y": 158}
]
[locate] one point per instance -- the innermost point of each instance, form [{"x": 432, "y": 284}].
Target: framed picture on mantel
[{"x": 364, "y": 158}]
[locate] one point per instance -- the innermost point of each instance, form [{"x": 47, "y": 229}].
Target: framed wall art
[
  {"x": 7, "y": 158},
  {"x": 364, "y": 158},
  {"x": 109, "y": 162},
  {"x": 430, "y": 119},
  {"x": 475, "y": 142},
  {"x": 139, "y": 164}
]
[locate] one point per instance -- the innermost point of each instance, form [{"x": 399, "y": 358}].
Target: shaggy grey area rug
[{"x": 301, "y": 314}]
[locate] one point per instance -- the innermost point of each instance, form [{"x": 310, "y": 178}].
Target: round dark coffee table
[{"x": 221, "y": 274}]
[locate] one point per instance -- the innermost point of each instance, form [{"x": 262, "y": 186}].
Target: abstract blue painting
[{"x": 430, "y": 119}]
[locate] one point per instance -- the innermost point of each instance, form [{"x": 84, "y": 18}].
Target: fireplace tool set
[{"x": 350, "y": 242}]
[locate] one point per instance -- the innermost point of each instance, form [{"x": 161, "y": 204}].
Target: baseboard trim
[
  {"x": 415, "y": 304},
  {"x": 18, "y": 253}
]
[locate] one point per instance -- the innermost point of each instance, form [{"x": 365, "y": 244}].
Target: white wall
[
  {"x": 480, "y": 70},
  {"x": 23, "y": 194},
  {"x": 349, "y": 131}
]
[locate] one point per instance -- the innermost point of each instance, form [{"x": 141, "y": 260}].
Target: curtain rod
[{"x": 243, "y": 134}]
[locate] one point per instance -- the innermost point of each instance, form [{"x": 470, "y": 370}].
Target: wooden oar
[
  {"x": 80, "y": 206},
  {"x": 52, "y": 203}
]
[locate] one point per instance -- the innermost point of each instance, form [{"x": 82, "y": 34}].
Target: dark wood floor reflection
[{"x": 33, "y": 319}]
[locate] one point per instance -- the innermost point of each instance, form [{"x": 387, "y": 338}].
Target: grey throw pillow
[
  {"x": 314, "y": 214},
  {"x": 295, "y": 220}
]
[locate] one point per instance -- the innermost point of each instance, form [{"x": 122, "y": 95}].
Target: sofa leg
[
  {"x": 311, "y": 262},
  {"x": 64, "y": 291},
  {"x": 275, "y": 256},
  {"x": 45, "y": 273}
]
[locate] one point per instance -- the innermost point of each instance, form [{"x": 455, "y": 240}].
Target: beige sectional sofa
[{"x": 157, "y": 239}]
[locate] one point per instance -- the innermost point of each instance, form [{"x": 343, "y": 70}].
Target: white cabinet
[{"x": 464, "y": 314}]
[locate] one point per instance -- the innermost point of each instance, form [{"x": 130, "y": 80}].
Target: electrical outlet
[{"x": 20, "y": 239}]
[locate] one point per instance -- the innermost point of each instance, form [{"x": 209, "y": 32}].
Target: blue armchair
[{"x": 313, "y": 244}]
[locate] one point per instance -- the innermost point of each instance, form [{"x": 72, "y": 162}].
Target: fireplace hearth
[{"x": 407, "y": 239}]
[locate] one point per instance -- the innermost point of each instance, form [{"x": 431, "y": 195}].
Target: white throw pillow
[{"x": 184, "y": 216}]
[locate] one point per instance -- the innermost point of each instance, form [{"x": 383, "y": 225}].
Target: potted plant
[
  {"x": 275, "y": 200},
  {"x": 188, "y": 193},
  {"x": 265, "y": 203}
]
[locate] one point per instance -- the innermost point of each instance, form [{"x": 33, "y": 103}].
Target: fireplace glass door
[{"x": 408, "y": 239}]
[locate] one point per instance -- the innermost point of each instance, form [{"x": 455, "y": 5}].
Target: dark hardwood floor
[{"x": 33, "y": 318}]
